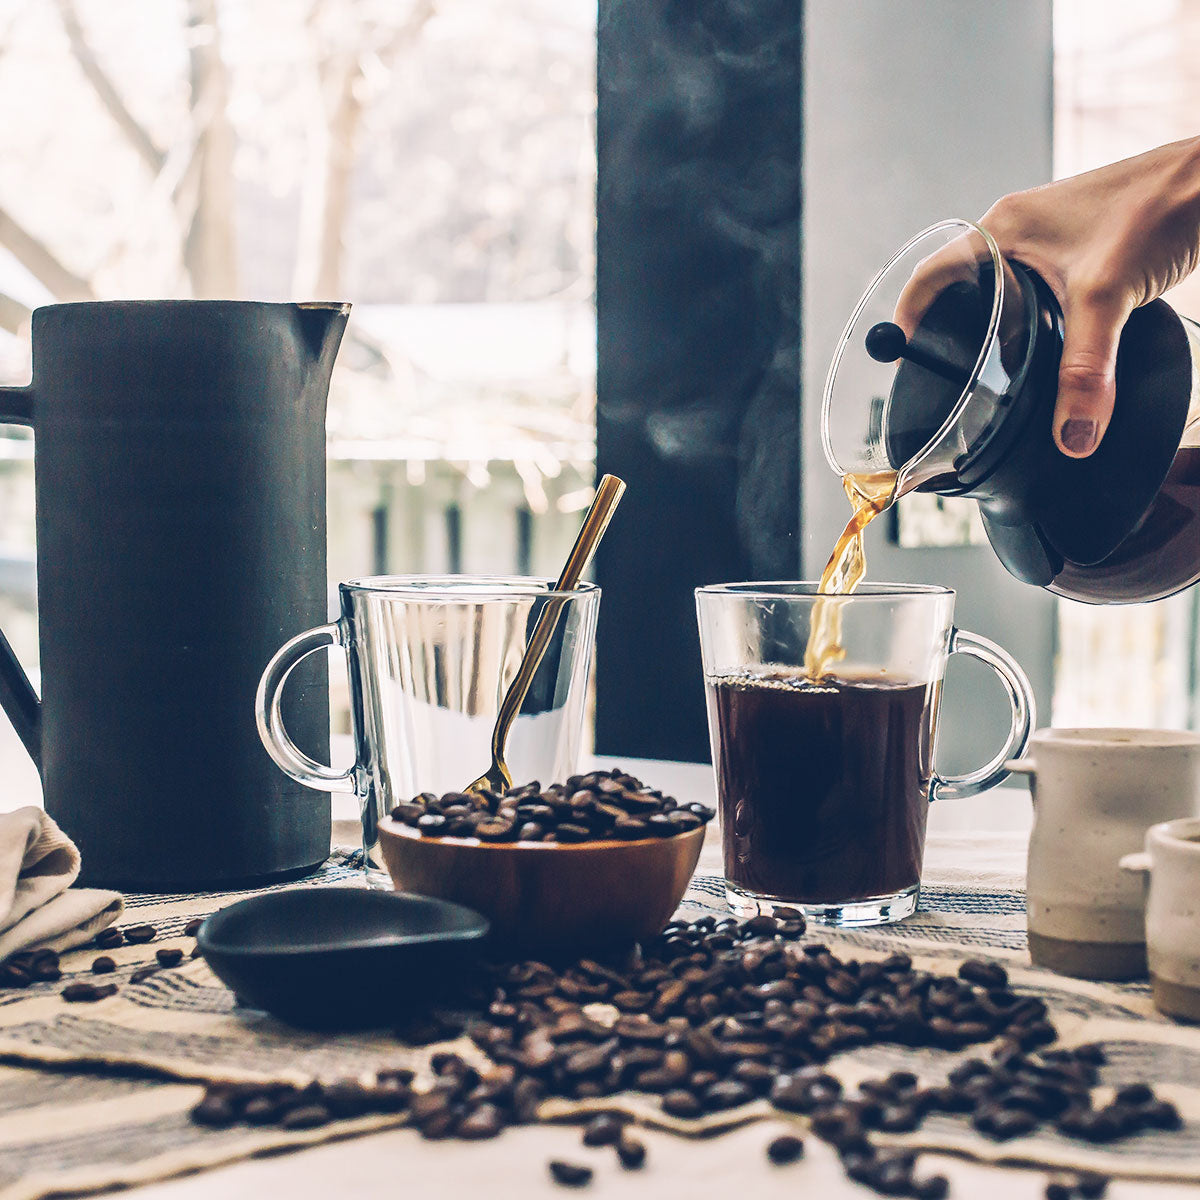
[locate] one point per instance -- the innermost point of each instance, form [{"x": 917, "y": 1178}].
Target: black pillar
[{"x": 697, "y": 295}]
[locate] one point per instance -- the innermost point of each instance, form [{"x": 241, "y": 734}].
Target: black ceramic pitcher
[{"x": 180, "y": 491}]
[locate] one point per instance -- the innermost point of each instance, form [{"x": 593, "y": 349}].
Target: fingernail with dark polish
[{"x": 1077, "y": 435}]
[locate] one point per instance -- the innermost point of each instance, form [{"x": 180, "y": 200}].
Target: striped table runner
[{"x": 95, "y": 1095}]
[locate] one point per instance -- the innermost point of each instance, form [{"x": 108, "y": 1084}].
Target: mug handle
[
  {"x": 1020, "y": 697},
  {"x": 268, "y": 713},
  {"x": 1137, "y": 863}
]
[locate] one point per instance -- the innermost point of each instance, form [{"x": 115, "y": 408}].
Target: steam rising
[{"x": 700, "y": 136}]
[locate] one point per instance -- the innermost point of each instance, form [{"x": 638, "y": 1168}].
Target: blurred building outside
[{"x": 432, "y": 161}]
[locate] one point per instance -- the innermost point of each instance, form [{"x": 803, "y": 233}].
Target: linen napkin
[{"x": 38, "y": 906}]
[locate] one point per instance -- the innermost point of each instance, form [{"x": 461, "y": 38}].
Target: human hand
[{"x": 1105, "y": 242}]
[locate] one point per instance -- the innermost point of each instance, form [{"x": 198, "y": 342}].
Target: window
[
  {"x": 431, "y": 161},
  {"x": 1127, "y": 78}
]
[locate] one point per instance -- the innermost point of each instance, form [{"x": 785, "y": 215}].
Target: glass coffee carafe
[{"x": 946, "y": 375}]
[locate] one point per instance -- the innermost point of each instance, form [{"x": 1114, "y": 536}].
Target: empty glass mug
[
  {"x": 430, "y": 659},
  {"x": 824, "y": 782}
]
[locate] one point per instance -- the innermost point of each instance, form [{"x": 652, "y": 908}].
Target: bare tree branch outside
[{"x": 429, "y": 160}]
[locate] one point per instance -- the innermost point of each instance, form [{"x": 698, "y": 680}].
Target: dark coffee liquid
[
  {"x": 1160, "y": 557},
  {"x": 824, "y": 787}
]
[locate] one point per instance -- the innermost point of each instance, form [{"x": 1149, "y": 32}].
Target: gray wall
[{"x": 916, "y": 110}]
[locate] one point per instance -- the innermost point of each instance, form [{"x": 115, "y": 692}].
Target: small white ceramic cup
[
  {"x": 1095, "y": 792},
  {"x": 1171, "y": 860}
]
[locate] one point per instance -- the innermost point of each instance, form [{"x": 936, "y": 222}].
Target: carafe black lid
[{"x": 921, "y": 379}]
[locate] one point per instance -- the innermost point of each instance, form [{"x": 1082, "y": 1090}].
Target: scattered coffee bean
[
  {"x": 1161, "y": 1114},
  {"x": 193, "y": 927},
  {"x": 603, "y": 1130},
  {"x": 986, "y": 974},
  {"x": 86, "y": 993},
  {"x": 137, "y": 935},
  {"x": 585, "y": 808},
  {"x": 631, "y": 1152},
  {"x": 1134, "y": 1093},
  {"x": 214, "y": 1110},
  {"x": 103, "y": 965},
  {"x": 933, "y": 1187},
  {"x": 1004, "y": 1123},
  {"x": 679, "y": 1103},
  {"x": 1091, "y": 1185},
  {"x": 14, "y": 975},
  {"x": 760, "y": 925},
  {"x": 791, "y": 1094},
  {"x": 570, "y": 1174},
  {"x": 786, "y": 1148},
  {"x": 893, "y": 1176},
  {"x": 169, "y": 956},
  {"x": 483, "y": 1122},
  {"x": 713, "y": 1014},
  {"x": 898, "y": 1118},
  {"x": 727, "y": 1094},
  {"x": 30, "y": 966},
  {"x": 309, "y": 1116},
  {"x": 109, "y": 939},
  {"x": 262, "y": 1110},
  {"x": 1059, "y": 1189}
]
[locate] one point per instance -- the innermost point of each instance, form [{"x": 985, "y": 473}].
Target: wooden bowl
[{"x": 549, "y": 898}]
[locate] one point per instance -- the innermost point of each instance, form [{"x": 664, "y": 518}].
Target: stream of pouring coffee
[{"x": 869, "y": 495}]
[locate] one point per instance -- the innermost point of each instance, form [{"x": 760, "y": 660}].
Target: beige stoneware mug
[
  {"x": 1095, "y": 792},
  {"x": 1171, "y": 861}
]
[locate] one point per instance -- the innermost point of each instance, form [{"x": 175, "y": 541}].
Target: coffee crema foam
[{"x": 798, "y": 681}]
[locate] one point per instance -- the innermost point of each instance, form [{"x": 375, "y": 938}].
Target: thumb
[{"x": 1087, "y": 374}]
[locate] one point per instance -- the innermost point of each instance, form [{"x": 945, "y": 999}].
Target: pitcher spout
[{"x": 321, "y": 326}]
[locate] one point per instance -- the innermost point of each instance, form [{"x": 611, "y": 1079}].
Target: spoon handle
[{"x": 608, "y": 496}]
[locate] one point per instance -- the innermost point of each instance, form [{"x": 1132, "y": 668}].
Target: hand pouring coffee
[{"x": 955, "y": 395}]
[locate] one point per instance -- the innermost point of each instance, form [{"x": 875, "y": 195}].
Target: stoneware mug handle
[
  {"x": 1136, "y": 864},
  {"x": 1020, "y": 698},
  {"x": 268, "y": 712}
]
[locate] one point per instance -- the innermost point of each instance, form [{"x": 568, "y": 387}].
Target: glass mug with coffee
[{"x": 824, "y": 773}]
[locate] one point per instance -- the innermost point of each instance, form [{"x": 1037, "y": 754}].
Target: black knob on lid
[{"x": 886, "y": 342}]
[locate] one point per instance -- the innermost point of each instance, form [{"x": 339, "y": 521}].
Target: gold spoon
[{"x": 608, "y": 495}]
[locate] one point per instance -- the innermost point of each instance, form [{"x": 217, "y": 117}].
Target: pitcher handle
[
  {"x": 1020, "y": 698},
  {"x": 17, "y": 697},
  {"x": 268, "y": 713}
]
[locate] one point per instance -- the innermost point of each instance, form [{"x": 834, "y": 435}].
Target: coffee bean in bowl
[
  {"x": 601, "y": 806},
  {"x": 597, "y": 860}
]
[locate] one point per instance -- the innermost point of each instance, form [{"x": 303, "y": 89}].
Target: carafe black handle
[{"x": 17, "y": 697}]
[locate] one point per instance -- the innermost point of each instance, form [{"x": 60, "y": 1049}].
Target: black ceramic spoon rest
[{"x": 340, "y": 957}]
